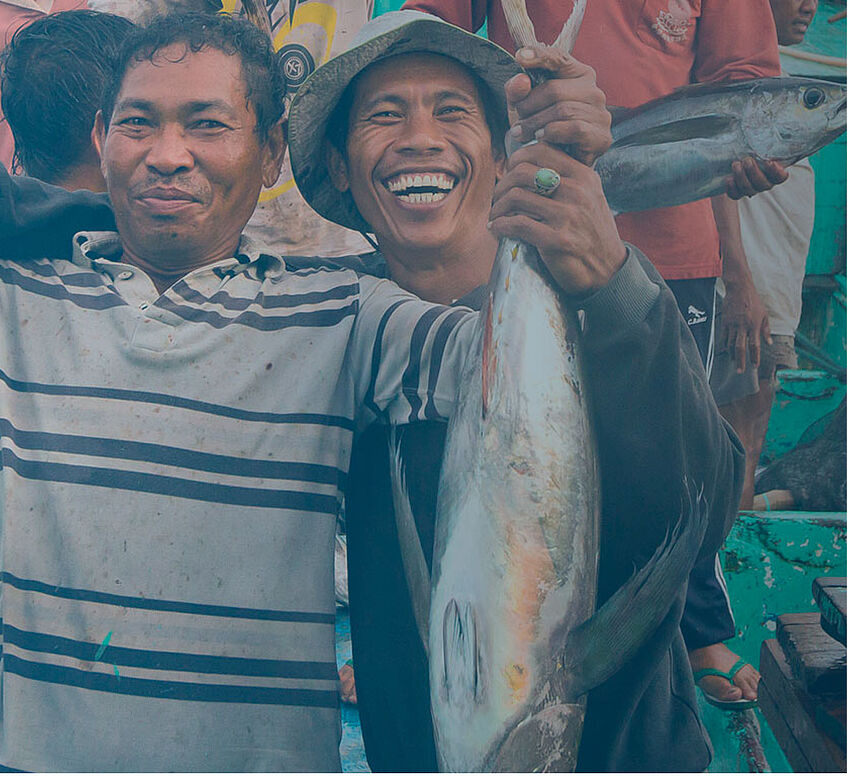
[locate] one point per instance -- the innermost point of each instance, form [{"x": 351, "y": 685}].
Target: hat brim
[{"x": 318, "y": 96}]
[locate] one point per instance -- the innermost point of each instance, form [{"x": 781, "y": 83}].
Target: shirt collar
[{"x": 92, "y": 247}]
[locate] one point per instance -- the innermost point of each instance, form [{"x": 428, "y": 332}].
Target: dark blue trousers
[{"x": 707, "y": 618}]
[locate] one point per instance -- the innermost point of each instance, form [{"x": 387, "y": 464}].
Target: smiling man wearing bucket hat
[{"x": 399, "y": 137}]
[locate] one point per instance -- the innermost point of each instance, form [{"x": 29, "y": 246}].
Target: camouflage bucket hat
[{"x": 398, "y": 32}]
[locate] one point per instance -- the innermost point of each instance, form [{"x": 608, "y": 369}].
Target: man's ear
[
  {"x": 273, "y": 154},
  {"x": 98, "y": 139},
  {"x": 337, "y": 167}
]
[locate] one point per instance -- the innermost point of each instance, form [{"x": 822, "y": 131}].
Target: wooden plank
[
  {"x": 797, "y": 709},
  {"x": 831, "y": 718},
  {"x": 830, "y": 593},
  {"x": 817, "y": 661},
  {"x": 769, "y": 709}
]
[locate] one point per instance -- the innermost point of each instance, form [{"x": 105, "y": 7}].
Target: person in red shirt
[{"x": 641, "y": 50}]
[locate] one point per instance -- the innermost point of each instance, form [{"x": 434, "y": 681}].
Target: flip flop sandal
[{"x": 738, "y": 704}]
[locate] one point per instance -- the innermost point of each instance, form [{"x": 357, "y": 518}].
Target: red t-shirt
[
  {"x": 13, "y": 16},
  {"x": 641, "y": 50}
]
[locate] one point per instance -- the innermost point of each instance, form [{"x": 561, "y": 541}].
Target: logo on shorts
[
  {"x": 695, "y": 316},
  {"x": 672, "y": 25}
]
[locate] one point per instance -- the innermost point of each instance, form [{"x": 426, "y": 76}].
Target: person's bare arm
[{"x": 745, "y": 321}]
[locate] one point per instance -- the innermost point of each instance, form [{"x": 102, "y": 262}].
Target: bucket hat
[{"x": 397, "y": 32}]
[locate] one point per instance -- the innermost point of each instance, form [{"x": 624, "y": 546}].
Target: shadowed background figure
[{"x": 53, "y": 74}]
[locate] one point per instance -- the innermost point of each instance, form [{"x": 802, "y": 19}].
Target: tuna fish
[
  {"x": 680, "y": 148},
  {"x": 514, "y": 642}
]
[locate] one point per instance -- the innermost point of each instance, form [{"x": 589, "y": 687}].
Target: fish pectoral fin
[
  {"x": 706, "y": 126},
  {"x": 545, "y": 742},
  {"x": 601, "y": 645},
  {"x": 411, "y": 551},
  {"x": 461, "y": 652}
]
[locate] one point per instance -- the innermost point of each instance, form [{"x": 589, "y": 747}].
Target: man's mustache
[{"x": 172, "y": 186}]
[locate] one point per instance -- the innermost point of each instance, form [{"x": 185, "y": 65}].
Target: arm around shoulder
[{"x": 39, "y": 219}]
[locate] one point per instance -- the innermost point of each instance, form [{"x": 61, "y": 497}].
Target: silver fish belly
[{"x": 515, "y": 560}]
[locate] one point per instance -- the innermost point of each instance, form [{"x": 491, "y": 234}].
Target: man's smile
[
  {"x": 166, "y": 200},
  {"x": 421, "y": 186}
]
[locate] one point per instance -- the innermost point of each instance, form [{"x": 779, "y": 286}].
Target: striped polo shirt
[{"x": 172, "y": 466}]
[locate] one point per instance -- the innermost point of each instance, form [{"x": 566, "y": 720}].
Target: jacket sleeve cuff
[{"x": 625, "y": 301}]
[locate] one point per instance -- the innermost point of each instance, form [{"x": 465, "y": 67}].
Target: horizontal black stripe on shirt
[
  {"x": 322, "y": 318},
  {"x": 164, "y": 605},
  {"x": 168, "y": 661},
  {"x": 177, "y": 487},
  {"x": 144, "y": 452},
  {"x": 266, "y": 302},
  {"x": 105, "y": 300},
  {"x": 161, "y": 399},
  {"x": 168, "y": 689},
  {"x": 77, "y": 278}
]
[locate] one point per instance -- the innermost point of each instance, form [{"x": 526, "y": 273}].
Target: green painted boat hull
[{"x": 770, "y": 560}]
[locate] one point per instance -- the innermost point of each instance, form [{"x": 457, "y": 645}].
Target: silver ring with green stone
[{"x": 547, "y": 181}]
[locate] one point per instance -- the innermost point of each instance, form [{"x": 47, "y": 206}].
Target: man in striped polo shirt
[{"x": 177, "y": 409}]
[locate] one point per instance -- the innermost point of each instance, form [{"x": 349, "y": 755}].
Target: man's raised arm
[{"x": 39, "y": 220}]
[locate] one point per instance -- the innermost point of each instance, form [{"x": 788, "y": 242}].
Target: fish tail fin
[
  {"x": 523, "y": 31},
  {"x": 567, "y": 37},
  {"x": 599, "y": 647},
  {"x": 518, "y": 22},
  {"x": 412, "y": 554}
]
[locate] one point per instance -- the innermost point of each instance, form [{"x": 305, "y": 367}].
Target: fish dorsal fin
[
  {"x": 411, "y": 551},
  {"x": 461, "y": 652},
  {"x": 706, "y": 126}
]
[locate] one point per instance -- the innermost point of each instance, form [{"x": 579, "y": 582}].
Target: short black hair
[
  {"x": 265, "y": 85},
  {"x": 53, "y": 74},
  {"x": 338, "y": 123}
]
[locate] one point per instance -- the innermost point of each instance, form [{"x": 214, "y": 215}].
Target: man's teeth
[
  {"x": 422, "y": 197},
  {"x": 428, "y": 187}
]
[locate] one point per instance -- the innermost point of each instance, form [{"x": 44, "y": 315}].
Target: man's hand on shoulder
[
  {"x": 572, "y": 228},
  {"x": 568, "y": 110}
]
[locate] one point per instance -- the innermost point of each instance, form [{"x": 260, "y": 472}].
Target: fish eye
[{"x": 813, "y": 97}]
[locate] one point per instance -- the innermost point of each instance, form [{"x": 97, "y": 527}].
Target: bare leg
[{"x": 749, "y": 417}]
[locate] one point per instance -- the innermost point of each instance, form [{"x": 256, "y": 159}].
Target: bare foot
[
  {"x": 719, "y": 656},
  {"x": 348, "y": 684}
]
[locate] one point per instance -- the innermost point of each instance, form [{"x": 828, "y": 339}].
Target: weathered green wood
[
  {"x": 770, "y": 560},
  {"x": 831, "y": 718},
  {"x": 796, "y": 709},
  {"x": 788, "y": 745},
  {"x": 830, "y": 594},
  {"x": 817, "y": 661}
]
